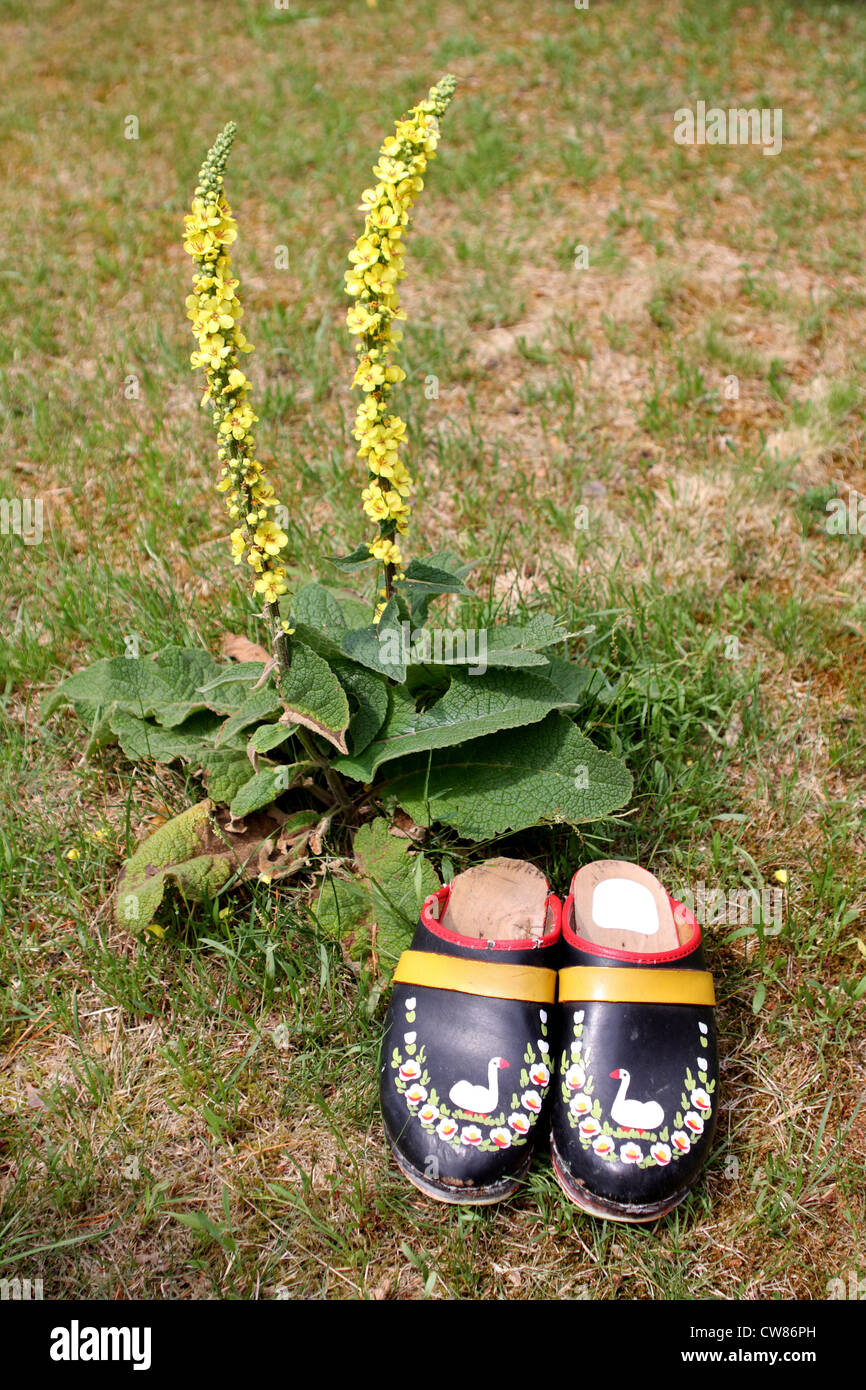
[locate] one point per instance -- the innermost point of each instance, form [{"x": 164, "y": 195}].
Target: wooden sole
[
  {"x": 610, "y": 1211},
  {"x": 467, "y": 1196}
]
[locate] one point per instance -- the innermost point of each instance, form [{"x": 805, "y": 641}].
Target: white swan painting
[
  {"x": 479, "y": 1100},
  {"x": 634, "y": 1114}
]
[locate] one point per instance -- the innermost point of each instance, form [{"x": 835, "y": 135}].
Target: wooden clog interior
[
  {"x": 500, "y": 900},
  {"x": 620, "y": 905}
]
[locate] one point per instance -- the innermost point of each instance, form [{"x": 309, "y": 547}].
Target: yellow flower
[
  {"x": 374, "y": 503},
  {"x": 199, "y": 244},
  {"x": 386, "y": 551},
  {"x": 238, "y": 421},
  {"x": 354, "y": 282},
  {"x": 364, "y": 254},
  {"x": 369, "y": 375},
  {"x": 270, "y": 538},
  {"x": 271, "y": 586},
  {"x": 360, "y": 320},
  {"x": 380, "y": 279}
]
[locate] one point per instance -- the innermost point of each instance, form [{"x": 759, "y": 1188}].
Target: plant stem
[
  {"x": 305, "y": 738},
  {"x": 279, "y": 639}
]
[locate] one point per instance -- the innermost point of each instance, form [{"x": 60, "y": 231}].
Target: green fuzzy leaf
[
  {"x": 419, "y": 594},
  {"x": 493, "y": 785},
  {"x": 101, "y": 730},
  {"x": 262, "y": 789},
  {"x": 318, "y": 608},
  {"x": 314, "y": 697},
  {"x": 578, "y": 683},
  {"x": 239, "y": 673},
  {"x": 229, "y": 693},
  {"x": 269, "y": 736},
  {"x": 164, "y": 686},
  {"x": 343, "y": 911},
  {"x": 430, "y": 579},
  {"x": 225, "y": 772},
  {"x": 379, "y": 646},
  {"x": 322, "y": 643},
  {"x": 368, "y": 701},
  {"x": 169, "y": 686},
  {"x": 512, "y": 645},
  {"x": 449, "y": 562},
  {"x": 142, "y": 740},
  {"x": 388, "y": 892},
  {"x": 355, "y": 610},
  {"x": 472, "y": 707},
  {"x": 254, "y": 709},
  {"x": 356, "y": 561},
  {"x": 172, "y": 855},
  {"x": 319, "y": 621},
  {"x": 390, "y": 868}
]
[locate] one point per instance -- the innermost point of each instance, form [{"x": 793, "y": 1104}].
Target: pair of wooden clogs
[{"x": 593, "y": 1017}]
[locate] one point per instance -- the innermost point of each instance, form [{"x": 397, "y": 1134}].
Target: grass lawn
[{"x": 645, "y": 444}]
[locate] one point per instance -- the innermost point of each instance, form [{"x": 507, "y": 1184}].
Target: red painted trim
[
  {"x": 528, "y": 943},
  {"x": 635, "y": 957}
]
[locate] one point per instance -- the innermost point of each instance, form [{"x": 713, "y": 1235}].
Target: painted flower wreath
[
  {"x": 666, "y": 1144},
  {"x": 455, "y": 1126}
]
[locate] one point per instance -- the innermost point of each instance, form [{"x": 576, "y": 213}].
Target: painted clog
[
  {"x": 636, "y": 1095},
  {"x": 467, "y": 1054}
]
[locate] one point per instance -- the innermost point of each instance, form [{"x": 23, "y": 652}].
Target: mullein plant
[
  {"x": 376, "y": 265},
  {"x": 337, "y": 683},
  {"x": 216, "y": 312}
]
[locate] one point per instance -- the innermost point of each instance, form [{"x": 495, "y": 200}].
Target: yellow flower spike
[
  {"x": 215, "y": 313},
  {"x": 375, "y": 268}
]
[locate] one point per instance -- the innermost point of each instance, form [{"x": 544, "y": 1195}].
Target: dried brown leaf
[{"x": 238, "y": 648}]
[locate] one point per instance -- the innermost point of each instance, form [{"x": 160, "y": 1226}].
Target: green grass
[{"x": 197, "y": 1116}]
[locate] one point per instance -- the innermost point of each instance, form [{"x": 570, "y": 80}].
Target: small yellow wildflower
[
  {"x": 270, "y": 538},
  {"x": 369, "y": 375},
  {"x": 360, "y": 320}
]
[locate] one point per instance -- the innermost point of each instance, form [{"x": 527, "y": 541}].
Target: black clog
[
  {"x": 467, "y": 1055},
  {"x": 636, "y": 1095}
]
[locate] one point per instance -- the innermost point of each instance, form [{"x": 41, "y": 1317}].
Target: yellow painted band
[
  {"x": 491, "y": 979},
  {"x": 584, "y": 984}
]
